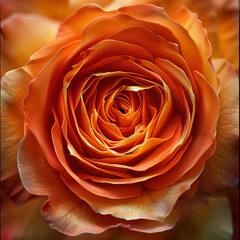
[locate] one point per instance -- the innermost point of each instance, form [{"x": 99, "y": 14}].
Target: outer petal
[
  {"x": 150, "y": 205},
  {"x": 77, "y": 22},
  {"x": 191, "y": 22},
  {"x": 196, "y": 50},
  {"x": 220, "y": 19},
  {"x": 207, "y": 218},
  {"x": 222, "y": 170},
  {"x": 21, "y": 36},
  {"x": 56, "y": 9},
  {"x": 206, "y": 13},
  {"x": 24, "y": 222},
  {"x": 14, "y": 87},
  {"x": 64, "y": 210}
]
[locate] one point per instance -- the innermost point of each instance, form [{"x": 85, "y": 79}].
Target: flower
[{"x": 115, "y": 119}]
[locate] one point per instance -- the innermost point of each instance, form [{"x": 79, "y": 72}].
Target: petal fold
[
  {"x": 222, "y": 169},
  {"x": 65, "y": 211},
  {"x": 13, "y": 89}
]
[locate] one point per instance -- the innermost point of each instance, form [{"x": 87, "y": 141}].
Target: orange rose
[{"x": 118, "y": 116}]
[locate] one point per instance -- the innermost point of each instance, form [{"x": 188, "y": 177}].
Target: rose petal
[
  {"x": 109, "y": 191},
  {"x": 81, "y": 18},
  {"x": 157, "y": 15},
  {"x": 106, "y": 24},
  {"x": 190, "y": 22},
  {"x": 222, "y": 169},
  {"x": 22, "y": 35},
  {"x": 24, "y": 222},
  {"x": 14, "y": 87},
  {"x": 191, "y": 163},
  {"x": 220, "y": 19},
  {"x": 64, "y": 210},
  {"x": 150, "y": 205},
  {"x": 206, "y": 14}
]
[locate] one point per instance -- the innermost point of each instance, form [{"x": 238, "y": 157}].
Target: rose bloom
[{"x": 124, "y": 122}]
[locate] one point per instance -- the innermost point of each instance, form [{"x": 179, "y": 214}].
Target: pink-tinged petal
[
  {"x": 65, "y": 211},
  {"x": 24, "y": 222},
  {"x": 222, "y": 169},
  {"x": 13, "y": 89},
  {"x": 228, "y": 30},
  {"x": 56, "y": 9},
  {"x": 207, "y": 218},
  {"x": 21, "y": 36}
]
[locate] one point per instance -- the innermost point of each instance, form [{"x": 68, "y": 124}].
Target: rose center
[{"x": 122, "y": 103}]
